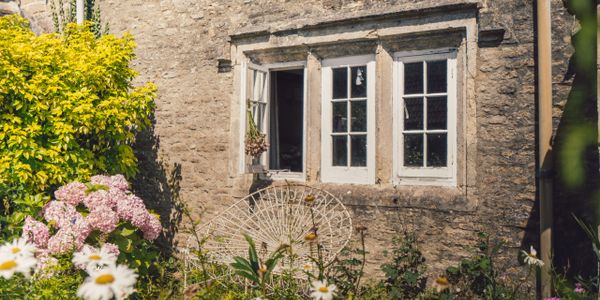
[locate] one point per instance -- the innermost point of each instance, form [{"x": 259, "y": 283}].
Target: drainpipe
[
  {"x": 544, "y": 78},
  {"x": 79, "y": 11}
]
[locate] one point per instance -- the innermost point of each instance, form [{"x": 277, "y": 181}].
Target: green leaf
[{"x": 249, "y": 276}]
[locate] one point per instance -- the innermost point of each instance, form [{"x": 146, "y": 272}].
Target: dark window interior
[{"x": 287, "y": 114}]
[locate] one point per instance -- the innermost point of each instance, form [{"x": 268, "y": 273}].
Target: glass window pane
[
  {"x": 413, "y": 150},
  {"x": 413, "y": 78},
  {"x": 340, "y": 151},
  {"x": 437, "y": 112},
  {"x": 358, "y": 82},
  {"x": 413, "y": 113},
  {"x": 437, "y": 149},
  {"x": 340, "y": 83},
  {"x": 359, "y": 116},
  {"x": 358, "y": 150},
  {"x": 340, "y": 116},
  {"x": 436, "y": 76}
]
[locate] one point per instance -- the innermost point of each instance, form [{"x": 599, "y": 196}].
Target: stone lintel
[{"x": 324, "y": 23}]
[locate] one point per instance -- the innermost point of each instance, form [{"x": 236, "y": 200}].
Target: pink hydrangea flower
[
  {"x": 104, "y": 219},
  {"x": 44, "y": 267},
  {"x": 116, "y": 182},
  {"x": 132, "y": 208},
  {"x": 152, "y": 228},
  {"x": 36, "y": 232},
  {"x": 72, "y": 193},
  {"x": 71, "y": 237},
  {"x": 60, "y": 212},
  {"x": 103, "y": 198},
  {"x": 112, "y": 248},
  {"x": 62, "y": 242}
]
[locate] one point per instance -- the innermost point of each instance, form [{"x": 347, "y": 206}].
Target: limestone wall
[{"x": 190, "y": 150}]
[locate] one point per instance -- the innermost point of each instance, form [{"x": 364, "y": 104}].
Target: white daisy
[
  {"x": 321, "y": 291},
  {"x": 531, "y": 257},
  {"x": 94, "y": 258},
  {"x": 19, "y": 247},
  {"x": 307, "y": 267},
  {"x": 13, "y": 263},
  {"x": 103, "y": 284}
]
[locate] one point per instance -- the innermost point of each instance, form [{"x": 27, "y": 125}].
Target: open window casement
[
  {"x": 254, "y": 99},
  {"x": 274, "y": 97}
]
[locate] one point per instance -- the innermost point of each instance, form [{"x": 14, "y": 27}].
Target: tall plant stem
[{"x": 362, "y": 266}]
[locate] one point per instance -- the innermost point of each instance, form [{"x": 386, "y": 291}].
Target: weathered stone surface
[{"x": 180, "y": 42}]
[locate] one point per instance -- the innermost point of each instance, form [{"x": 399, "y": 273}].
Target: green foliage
[
  {"x": 347, "y": 270},
  {"x": 479, "y": 277},
  {"x": 253, "y": 268},
  {"x": 565, "y": 290},
  {"x": 61, "y": 17},
  {"x": 161, "y": 282},
  {"x": 405, "y": 274},
  {"x": 29, "y": 205},
  {"x": 139, "y": 253},
  {"x": 67, "y": 107},
  {"x": 62, "y": 284}
]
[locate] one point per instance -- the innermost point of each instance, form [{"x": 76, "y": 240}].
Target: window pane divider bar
[
  {"x": 425, "y": 89},
  {"x": 425, "y": 95},
  {"x": 426, "y": 131}
]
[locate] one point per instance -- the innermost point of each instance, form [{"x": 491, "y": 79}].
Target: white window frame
[
  {"x": 425, "y": 175},
  {"x": 336, "y": 174},
  {"x": 264, "y": 158}
]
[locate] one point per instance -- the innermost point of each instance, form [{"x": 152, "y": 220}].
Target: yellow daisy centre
[
  {"x": 15, "y": 250},
  {"x": 323, "y": 289},
  {"x": 442, "y": 281},
  {"x": 7, "y": 265},
  {"x": 95, "y": 257},
  {"x": 310, "y": 236},
  {"x": 105, "y": 279}
]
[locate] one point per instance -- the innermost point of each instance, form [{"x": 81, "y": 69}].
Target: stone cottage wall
[{"x": 188, "y": 152}]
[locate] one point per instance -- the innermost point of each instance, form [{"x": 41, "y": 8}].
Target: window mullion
[
  {"x": 348, "y": 120},
  {"x": 348, "y": 130},
  {"x": 424, "y": 136},
  {"x": 425, "y": 89}
]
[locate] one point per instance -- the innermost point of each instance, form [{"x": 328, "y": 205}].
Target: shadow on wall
[
  {"x": 159, "y": 185},
  {"x": 576, "y": 179}
]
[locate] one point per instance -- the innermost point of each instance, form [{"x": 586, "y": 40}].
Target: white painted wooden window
[
  {"x": 276, "y": 96},
  {"x": 348, "y": 120},
  {"x": 425, "y": 117}
]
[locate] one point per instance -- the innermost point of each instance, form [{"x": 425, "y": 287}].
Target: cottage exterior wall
[{"x": 195, "y": 135}]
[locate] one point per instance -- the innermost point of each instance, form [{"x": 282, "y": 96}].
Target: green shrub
[
  {"x": 480, "y": 276},
  {"x": 347, "y": 269},
  {"x": 405, "y": 274},
  {"x": 67, "y": 107}
]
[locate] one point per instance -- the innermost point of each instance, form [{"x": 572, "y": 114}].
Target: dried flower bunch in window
[{"x": 256, "y": 141}]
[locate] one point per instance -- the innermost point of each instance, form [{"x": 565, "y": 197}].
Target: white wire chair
[{"x": 276, "y": 216}]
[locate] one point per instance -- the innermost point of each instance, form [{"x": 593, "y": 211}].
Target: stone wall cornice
[{"x": 255, "y": 32}]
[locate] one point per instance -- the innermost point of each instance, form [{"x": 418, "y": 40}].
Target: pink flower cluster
[
  {"x": 36, "y": 232},
  {"x": 114, "y": 182},
  {"x": 107, "y": 204},
  {"x": 72, "y": 193}
]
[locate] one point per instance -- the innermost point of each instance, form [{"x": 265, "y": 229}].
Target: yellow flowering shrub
[{"x": 68, "y": 109}]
